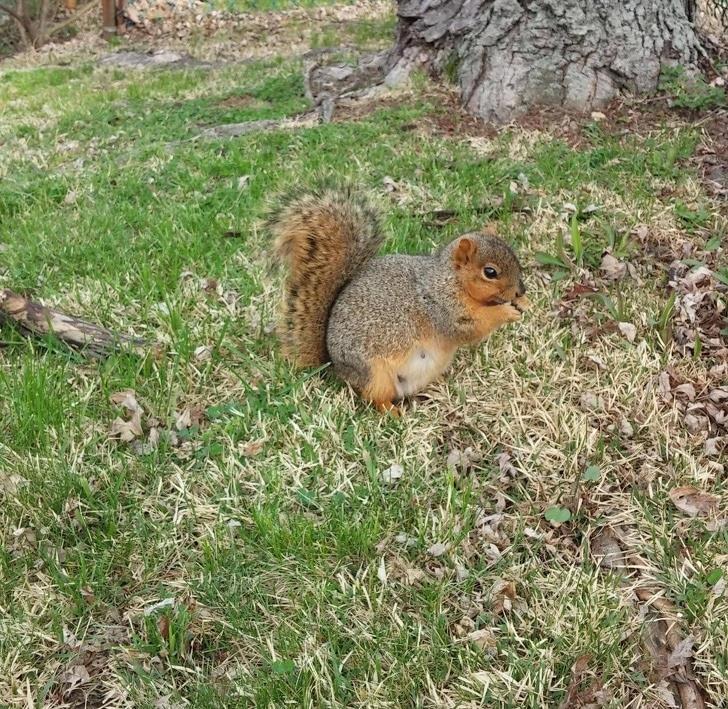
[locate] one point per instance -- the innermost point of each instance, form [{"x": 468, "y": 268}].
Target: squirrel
[{"x": 389, "y": 324}]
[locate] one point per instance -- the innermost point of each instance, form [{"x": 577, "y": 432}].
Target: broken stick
[{"x": 33, "y": 318}]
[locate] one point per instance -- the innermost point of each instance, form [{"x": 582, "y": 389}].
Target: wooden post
[{"x": 108, "y": 13}]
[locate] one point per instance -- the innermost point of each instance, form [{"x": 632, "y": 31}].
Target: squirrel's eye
[{"x": 490, "y": 272}]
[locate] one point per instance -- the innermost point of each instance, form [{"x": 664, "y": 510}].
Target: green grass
[{"x": 266, "y": 521}]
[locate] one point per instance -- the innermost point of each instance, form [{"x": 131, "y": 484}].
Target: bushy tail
[{"x": 324, "y": 237}]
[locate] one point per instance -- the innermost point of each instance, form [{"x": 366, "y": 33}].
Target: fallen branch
[
  {"x": 235, "y": 130},
  {"x": 33, "y": 318},
  {"x": 77, "y": 15}
]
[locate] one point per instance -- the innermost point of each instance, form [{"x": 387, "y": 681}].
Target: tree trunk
[{"x": 507, "y": 55}]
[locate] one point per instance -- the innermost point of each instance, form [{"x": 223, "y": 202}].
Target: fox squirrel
[{"x": 389, "y": 324}]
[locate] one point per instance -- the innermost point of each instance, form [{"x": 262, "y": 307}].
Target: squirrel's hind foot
[{"x": 387, "y": 407}]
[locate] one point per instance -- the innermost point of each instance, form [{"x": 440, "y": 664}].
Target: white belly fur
[{"x": 421, "y": 367}]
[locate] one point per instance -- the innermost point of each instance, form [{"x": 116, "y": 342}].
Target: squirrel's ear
[{"x": 464, "y": 252}]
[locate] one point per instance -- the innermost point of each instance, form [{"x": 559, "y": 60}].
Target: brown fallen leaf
[
  {"x": 682, "y": 652},
  {"x": 462, "y": 460},
  {"x": 203, "y": 353},
  {"x": 577, "y": 695},
  {"x": 712, "y": 446},
  {"x": 75, "y": 676},
  {"x": 505, "y": 465},
  {"x": 163, "y": 626},
  {"x": 150, "y": 445},
  {"x": 628, "y": 330},
  {"x": 182, "y": 420},
  {"x": 126, "y": 399},
  {"x": 503, "y": 594},
  {"x": 696, "y": 424},
  {"x": 127, "y": 431},
  {"x": 483, "y": 639},
  {"x": 693, "y": 502},
  {"x": 612, "y": 268},
  {"x": 589, "y": 401},
  {"x": 687, "y": 389},
  {"x": 438, "y": 549},
  {"x": 401, "y": 570},
  {"x": 606, "y": 550},
  {"x": 577, "y": 291},
  {"x": 671, "y": 654}
]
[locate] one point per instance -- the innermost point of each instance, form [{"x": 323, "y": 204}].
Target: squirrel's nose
[{"x": 521, "y": 288}]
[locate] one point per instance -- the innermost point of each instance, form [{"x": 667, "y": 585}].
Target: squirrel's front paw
[
  {"x": 509, "y": 312},
  {"x": 521, "y": 304}
]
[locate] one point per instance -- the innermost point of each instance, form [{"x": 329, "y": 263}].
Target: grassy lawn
[{"x": 247, "y": 549}]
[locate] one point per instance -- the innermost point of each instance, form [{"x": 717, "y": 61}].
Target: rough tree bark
[{"x": 507, "y": 55}]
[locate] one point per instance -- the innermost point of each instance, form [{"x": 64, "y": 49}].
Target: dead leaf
[
  {"x": 126, "y": 399},
  {"x": 612, "y": 268},
  {"x": 148, "y": 446},
  {"x": 203, "y": 353},
  {"x": 591, "y": 402},
  {"x": 505, "y": 465},
  {"x": 503, "y": 594},
  {"x": 628, "y": 330},
  {"x": 682, "y": 652},
  {"x": 698, "y": 277},
  {"x": 662, "y": 689},
  {"x": 577, "y": 291},
  {"x": 382, "y": 572},
  {"x": 438, "y": 549},
  {"x": 483, "y": 639},
  {"x": 75, "y": 676},
  {"x": 401, "y": 569},
  {"x": 712, "y": 446},
  {"x": 606, "y": 550},
  {"x": 389, "y": 184},
  {"x": 164, "y": 603},
  {"x": 210, "y": 285},
  {"x": 696, "y": 424},
  {"x": 641, "y": 231},
  {"x": 686, "y": 389},
  {"x": 413, "y": 575},
  {"x": 597, "y": 361},
  {"x": 576, "y": 696},
  {"x": 693, "y": 502},
  {"x": 665, "y": 385},
  {"x": 127, "y": 431},
  {"x": 163, "y": 626},
  {"x": 182, "y": 419},
  {"x": 462, "y": 459},
  {"x": 392, "y": 474},
  {"x": 626, "y": 428}
]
